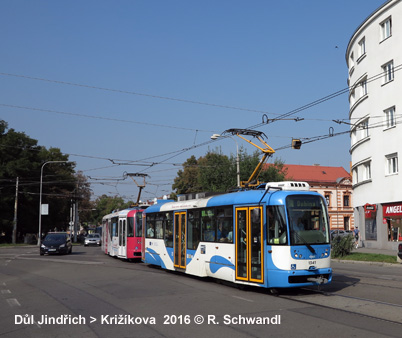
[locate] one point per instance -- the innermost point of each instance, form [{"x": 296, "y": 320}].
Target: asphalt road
[{"x": 88, "y": 294}]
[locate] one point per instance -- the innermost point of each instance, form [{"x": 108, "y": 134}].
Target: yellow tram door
[
  {"x": 179, "y": 244},
  {"x": 249, "y": 244}
]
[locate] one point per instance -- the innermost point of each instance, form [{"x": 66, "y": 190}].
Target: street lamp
[
  {"x": 40, "y": 199},
  {"x": 215, "y": 137}
]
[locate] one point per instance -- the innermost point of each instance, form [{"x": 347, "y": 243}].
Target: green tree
[
  {"x": 105, "y": 205},
  {"x": 187, "y": 179},
  {"x": 218, "y": 173},
  {"x": 274, "y": 172},
  {"x": 22, "y": 157},
  {"x": 215, "y": 172},
  {"x": 82, "y": 194},
  {"x": 18, "y": 158}
]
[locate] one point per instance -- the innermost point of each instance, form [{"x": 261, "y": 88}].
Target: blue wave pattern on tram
[{"x": 218, "y": 262}]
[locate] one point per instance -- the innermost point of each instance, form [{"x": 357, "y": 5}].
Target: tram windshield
[{"x": 308, "y": 220}]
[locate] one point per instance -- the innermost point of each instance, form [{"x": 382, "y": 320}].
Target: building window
[
  {"x": 386, "y": 29},
  {"x": 352, "y": 97},
  {"x": 390, "y": 117},
  {"x": 346, "y": 221},
  {"x": 346, "y": 201},
  {"x": 392, "y": 164},
  {"x": 355, "y": 177},
  {"x": 363, "y": 88},
  {"x": 352, "y": 63},
  {"x": 328, "y": 199},
  {"x": 354, "y": 136},
  {"x": 388, "y": 70},
  {"x": 362, "y": 48},
  {"x": 367, "y": 171},
  {"x": 364, "y": 129},
  {"x": 360, "y": 131}
]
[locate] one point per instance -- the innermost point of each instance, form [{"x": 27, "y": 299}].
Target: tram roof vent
[
  {"x": 289, "y": 185},
  {"x": 207, "y": 194},
  {"x": 186, "y": 197}
]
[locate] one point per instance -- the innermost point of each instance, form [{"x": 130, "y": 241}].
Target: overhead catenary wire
[
  {"x": 280, "y": 116},
  {"x": 102, "y": 118},
  {"x": 178, "y": 152}
]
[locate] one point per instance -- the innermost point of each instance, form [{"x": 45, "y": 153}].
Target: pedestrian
[{"x": 356, "y": 232}]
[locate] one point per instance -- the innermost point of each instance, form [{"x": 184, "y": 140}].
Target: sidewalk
[{"x": 376, "y": 251}]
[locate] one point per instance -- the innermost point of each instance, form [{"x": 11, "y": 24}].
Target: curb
[{"x": 366, "y": 262}]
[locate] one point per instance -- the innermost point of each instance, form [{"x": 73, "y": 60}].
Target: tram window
[
  {"x": 193, "y": 229},
  {"x": 208, "y": 225},
  {"x": 130, "y": 226},
  {"x": 138, "y": 224},
  {"x": 159, "y": 226},
  {"x": 114, "y": 227},
  {"x": 123, "y": 235},
  {"x": 150, "y": 226},
  {"x": 224, "y": 220},
  {"x": 276, "y": 225},
  {"x": 120, "y": 232},
  {"x": 168, "y": 229}
]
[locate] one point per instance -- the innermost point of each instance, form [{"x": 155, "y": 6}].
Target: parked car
[
  {"x": 400, "y": 251},
  {"x": 342, "y": 233},
  {"x": 92, "y": 239},
  {"x": 56, "y": 243}
]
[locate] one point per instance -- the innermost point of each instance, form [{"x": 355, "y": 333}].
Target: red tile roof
[{"x": 315, "y": 173}]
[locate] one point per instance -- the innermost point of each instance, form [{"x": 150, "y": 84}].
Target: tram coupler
[{"x": 319, "y": 280}]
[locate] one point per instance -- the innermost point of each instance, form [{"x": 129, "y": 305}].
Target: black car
[
  {"x": 56, "y": 242},
  {"x": 400, "y": 251}
]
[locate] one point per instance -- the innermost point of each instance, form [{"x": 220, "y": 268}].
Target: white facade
[{"x": 374, "y": 58}]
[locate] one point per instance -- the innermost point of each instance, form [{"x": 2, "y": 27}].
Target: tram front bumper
[{"x": 299, "y": 278}]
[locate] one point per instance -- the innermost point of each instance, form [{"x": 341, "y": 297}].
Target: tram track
[
  {"x": 348, "y": 304},
  {"x": 396, "y": 288},
  {"x": 364, "y": 307}
]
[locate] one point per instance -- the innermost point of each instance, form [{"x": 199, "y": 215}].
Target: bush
[{"x": 342, "y": 246}]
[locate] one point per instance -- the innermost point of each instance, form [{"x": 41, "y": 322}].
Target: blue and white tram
[{"x": 274, "y": 237}]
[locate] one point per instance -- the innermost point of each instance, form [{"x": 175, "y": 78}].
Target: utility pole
[
  {"x": 40, "y": 199},
  {"x": 76, "y": 220},
  {"x": 15, "y": 213}
]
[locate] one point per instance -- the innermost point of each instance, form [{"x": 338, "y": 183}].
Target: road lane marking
[
  {"x": 13, "y": 302},
  {"x": 241, "y": 298}
]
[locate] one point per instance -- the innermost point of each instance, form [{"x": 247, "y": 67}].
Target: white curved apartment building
[{"x": 374, "y": 58}]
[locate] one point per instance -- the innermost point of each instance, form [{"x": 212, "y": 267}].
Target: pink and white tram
[{"x": 122, "y": 232}]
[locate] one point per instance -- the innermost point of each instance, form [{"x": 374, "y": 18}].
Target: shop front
[{"x": 392, "y": 216}]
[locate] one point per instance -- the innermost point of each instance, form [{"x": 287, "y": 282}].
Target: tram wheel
[{"x": 274, "y": 292}]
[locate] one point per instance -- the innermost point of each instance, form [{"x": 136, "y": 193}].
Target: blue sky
[{"x": 138, "y": 81}]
